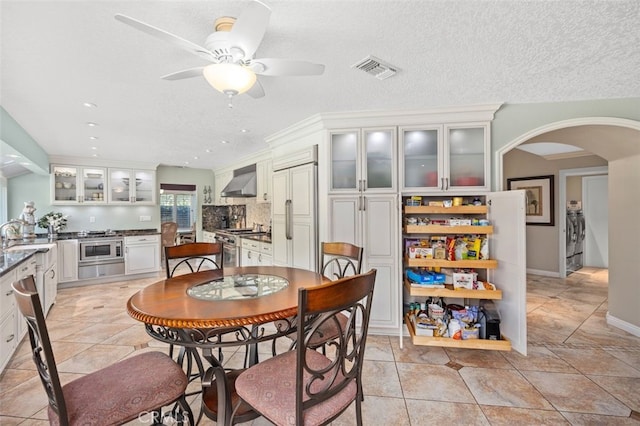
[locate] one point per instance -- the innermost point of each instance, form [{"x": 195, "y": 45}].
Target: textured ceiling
[{"x": 55, "y": 55}]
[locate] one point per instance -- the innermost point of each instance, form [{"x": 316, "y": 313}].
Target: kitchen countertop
[
  {"x": 11, "y": 259},
  {"x": 264, "y": 238},
  {"x": 102, "y": 234}
]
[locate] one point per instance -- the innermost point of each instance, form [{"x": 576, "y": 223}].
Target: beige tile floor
[{"x": 579, "y": 370}]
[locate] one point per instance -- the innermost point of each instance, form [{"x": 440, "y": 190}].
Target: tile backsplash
[{"x": 238, "y": 215}]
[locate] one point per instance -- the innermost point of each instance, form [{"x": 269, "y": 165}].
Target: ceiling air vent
[{"x": 376, "y": 67}]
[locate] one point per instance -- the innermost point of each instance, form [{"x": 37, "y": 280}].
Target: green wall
[{"x": 12, "y": 134}]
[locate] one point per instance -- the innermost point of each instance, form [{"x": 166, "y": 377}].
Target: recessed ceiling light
[
  {"x": 93, "y": 138},
  {"x": 92, "y": 124},
  {"x": 186, "y": 162},
  {"x": 207, "y": 150},
  {"x": 195, "y": 158},
  {"x": 94, "y": 155},
  {"x": 223, "y": 141},
  {"x": 244, "y": 130},
  {"x": 94, "y": 147},
  {"x": 89, "y": 105}
]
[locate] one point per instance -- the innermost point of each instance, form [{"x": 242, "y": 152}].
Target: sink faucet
[{"x": 3, "y": 235}]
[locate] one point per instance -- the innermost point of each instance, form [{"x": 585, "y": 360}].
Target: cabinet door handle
[
  {"x": 288, "y": 224},
  {"x": 260, "y": 257},
  {"x": 364, "y": 185},
  {"x": 264, "y": 196},
  {"x": 249, "y": 255},
  {"x": 53, "y": 273},
  {"x": 10, "y": 338},
  {"x": 447, "y": 184},
  {"x": 442, "y": 183},
  {"x": 9, "y": 293},
  {"x": 364, "y": 203}
]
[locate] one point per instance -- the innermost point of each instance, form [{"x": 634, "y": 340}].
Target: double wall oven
[{"x": 101, "y": 257}]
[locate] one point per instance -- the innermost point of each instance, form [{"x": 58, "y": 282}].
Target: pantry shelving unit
[{"x": 409, "y": 231}]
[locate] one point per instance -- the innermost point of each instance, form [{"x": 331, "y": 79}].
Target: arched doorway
[{"x": 617, "y": 141}]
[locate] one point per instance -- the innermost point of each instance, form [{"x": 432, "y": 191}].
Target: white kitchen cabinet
[
  {"x": 445, "y": 158},
  {"x": 264, "y": 171},
  {"x": 265, "y": 258},
  {"x": 220, "y": 181},
  {"x": 8, "y": 324},
  {"x": 294, "y": 226},
  {"x": 78, "y": 185},
  {"x": 255, "y": 253},
  {"x": 363, "y": 160},
  {"x": 8, "y": 336},
  {"x": 127, "y": 186},
  {"x": 68, "y": 253},
  {"x": 370, "y": 221},
  {"x": 141, "y": 254}
]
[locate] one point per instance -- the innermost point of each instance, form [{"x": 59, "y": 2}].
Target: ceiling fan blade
[
  {"x": 168, "y": 37},
  {"x": 276, "y": 67},
  {"x": 256, "y": 91},
  {"x": 179, "y": 75},
  {"x": 248, "y": 30}
]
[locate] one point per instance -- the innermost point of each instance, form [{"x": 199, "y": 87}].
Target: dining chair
[
  {"x": 340, "y": 259},
  {"x": 304, "y": 386},
  {"x": 119, "y": 393},
  {"x": 189, "y": 237},
  {"x": 168, "y": 234},
  {"x": 337, "y": 260},
  {"x": 192, "y": 257}
]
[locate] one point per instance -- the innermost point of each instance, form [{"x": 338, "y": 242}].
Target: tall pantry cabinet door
[
  {"x": 344, "y": 217},
  {"x": 380, "y": 243},
  {"x": 371, "y": 222},
  {"x": 508, "y": 246},
  {"x": 279, "y": 216}
]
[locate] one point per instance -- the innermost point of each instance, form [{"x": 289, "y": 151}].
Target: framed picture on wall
[{"x": 539, "y": 198}]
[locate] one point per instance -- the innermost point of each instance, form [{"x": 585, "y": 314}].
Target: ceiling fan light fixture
[{"x": 230, "y": 79}]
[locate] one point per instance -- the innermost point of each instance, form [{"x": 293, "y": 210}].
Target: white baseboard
[
  {"x": 543, "y": 273},
  {"x": 623, "y": 325}
]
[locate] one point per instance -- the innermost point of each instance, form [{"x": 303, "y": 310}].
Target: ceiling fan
[{"x": 230, "y": 49}]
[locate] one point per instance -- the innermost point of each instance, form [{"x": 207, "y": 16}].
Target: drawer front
[
  {"x": 7, "y": 300},
  {"x": 265, "y": 248},
  {"x": 27, "y": 268},
  {"x": 141, "y": 239},
  {"x": 250, "y": 244}
]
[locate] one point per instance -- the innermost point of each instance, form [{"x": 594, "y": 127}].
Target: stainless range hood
[{"x": 243, "y": 183}]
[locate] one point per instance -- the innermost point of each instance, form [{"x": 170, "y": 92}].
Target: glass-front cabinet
[
  {"x": 128, "y": 186},
  {"x": 363, "y": 160},
  {"x": 78, "y": 185},
  {"x": 445, "y": 158}
]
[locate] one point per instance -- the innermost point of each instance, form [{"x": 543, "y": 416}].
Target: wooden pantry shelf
[
  {"x": 445, "y": 210},
  {"x": 462, "y": 293},
  {"x": 445, "y": 229},
  {"x": 494, "y": 345},
  {"x": 431, "y": 263}
]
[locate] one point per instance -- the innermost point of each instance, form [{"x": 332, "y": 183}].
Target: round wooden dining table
[{"x": 221, "y": 308}]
